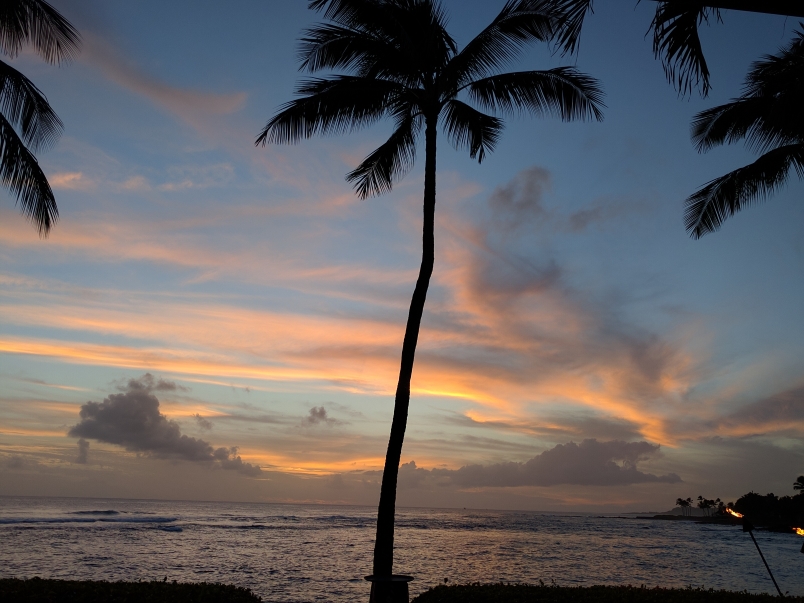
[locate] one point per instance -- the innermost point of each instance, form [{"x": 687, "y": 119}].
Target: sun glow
[
  {"x": 733, "y": 512},
  {"x": 799, "y": 531}
]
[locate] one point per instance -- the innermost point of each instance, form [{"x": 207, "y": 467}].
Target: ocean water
[{"x": 294, "y": 553}]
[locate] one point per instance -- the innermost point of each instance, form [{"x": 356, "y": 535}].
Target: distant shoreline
[{"x": 719, "y": 520}]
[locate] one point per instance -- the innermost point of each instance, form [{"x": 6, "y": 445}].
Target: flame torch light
[
  {"x": 749, "y": 527},
  {"x": 800, "y": 532},
  {"x": 733, "y": 512}
]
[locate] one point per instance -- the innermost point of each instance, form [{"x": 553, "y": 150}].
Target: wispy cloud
[
  {"x": 184, "y": 103},
  {"x": 75, "y": 181}
]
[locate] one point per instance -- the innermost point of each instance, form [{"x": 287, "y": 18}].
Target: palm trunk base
[{"x": 389, "y": 589}]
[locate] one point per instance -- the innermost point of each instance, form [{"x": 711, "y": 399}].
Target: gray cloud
[
  {"x": 520, "y": 200},
  {"x": 202, "y": 422},
  {"x": 571, "y": 425},
  {"x": 14, "y": 462},
  {"x": 318, "y": 415},
  {"x": 228, "y": 459},
  {"x": 148, "y": 383},
  {"x": 601, "y": 211},
  {"x": 590, "y": 463},
  {"x": 133, "y": 420},
  {"x": 83, "y": 451},
  {"x": 780, "y": 411}
]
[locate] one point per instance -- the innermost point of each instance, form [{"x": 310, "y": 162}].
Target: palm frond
[
  {"x": 21, "y": 174},
  {"x": 389, "y": 162},
  {"x": 782, "y": 73},
  {"x": 570, "y": 22},
  {"x": 343, "y": 11},
  {"x": 519, "y": 23},
  {"x": 365, "y": 54},
  {"x": 721, "y": 198},
  {"x": 391, "y": 39},
  {"x": 27, "y": 109},
  {"x": 764, "y": 123},
  {"x": 333, "y": 46},
  {"x": 563, "y": 91},
  {"x": 768, "y": 112},
  {"x": 467, "y": 127},
  {"x": 36, "y": 22},
  {"x": 676, "y": 41},
  {"x": 330, "y": 106}
]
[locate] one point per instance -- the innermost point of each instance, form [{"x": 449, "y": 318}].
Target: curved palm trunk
[{"x": 384, "y": 543}]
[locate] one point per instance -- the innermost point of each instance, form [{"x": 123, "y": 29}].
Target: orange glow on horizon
[
  {"x": 733, "y": 512},
  {"x": 799, "y": 531}
]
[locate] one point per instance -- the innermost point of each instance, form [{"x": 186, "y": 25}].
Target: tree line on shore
[{"x": 767, "y": 510}]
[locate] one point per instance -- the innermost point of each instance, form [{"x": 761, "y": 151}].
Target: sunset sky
[{"x": 578, "y": 350}]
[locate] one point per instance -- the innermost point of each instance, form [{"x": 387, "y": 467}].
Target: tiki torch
[{"x": 749, "y": 527}]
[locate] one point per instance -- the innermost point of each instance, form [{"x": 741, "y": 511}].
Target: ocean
[{"x": 292, "y": 553}]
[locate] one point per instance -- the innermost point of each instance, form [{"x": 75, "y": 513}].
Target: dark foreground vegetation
[
  {"x": 37, "y": 590},
  {"x": 525, "y": 593}
]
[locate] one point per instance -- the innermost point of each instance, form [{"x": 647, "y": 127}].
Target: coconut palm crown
[
  {"x": 400, "y": 62},
  {"x": 27, "y": 122},
  {"x": 767, "y": 115}
]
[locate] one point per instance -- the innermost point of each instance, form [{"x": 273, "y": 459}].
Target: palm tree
[
  {"x": 799, "y": 483},
  {"x": 768, "y": 116},
  {"x": 27, "y": 122},
  {"x": 675, "y": 32},
  {"x": 403, "y": 64}
]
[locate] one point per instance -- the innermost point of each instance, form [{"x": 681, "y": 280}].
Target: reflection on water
[{"x": 320, "y": 553}]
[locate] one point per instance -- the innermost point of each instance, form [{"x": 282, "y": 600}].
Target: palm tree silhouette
[
  {"x": 768, "y": 116},
  {"x": 27, "y": 122},
  {"x": 403, "y": 64},
  {"x": 675, "y": 32},
  {"x": 799, "y": 483}
]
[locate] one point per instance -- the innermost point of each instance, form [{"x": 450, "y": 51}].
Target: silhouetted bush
[
  {"x": 771, "y": 510},
  {"x": 37, "y": 590},
  {"x": 524, "y": 593}
]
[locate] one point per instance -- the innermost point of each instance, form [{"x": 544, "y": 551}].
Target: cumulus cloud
[
  {"x": 83, "y": 451},
  {"x": 133, "y": 420},
  {"x": 590, "y": 463},
  {"x": 228, "y": 459}
]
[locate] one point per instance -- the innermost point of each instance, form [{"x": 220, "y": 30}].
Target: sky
[{"x": 210, "y": 320}]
